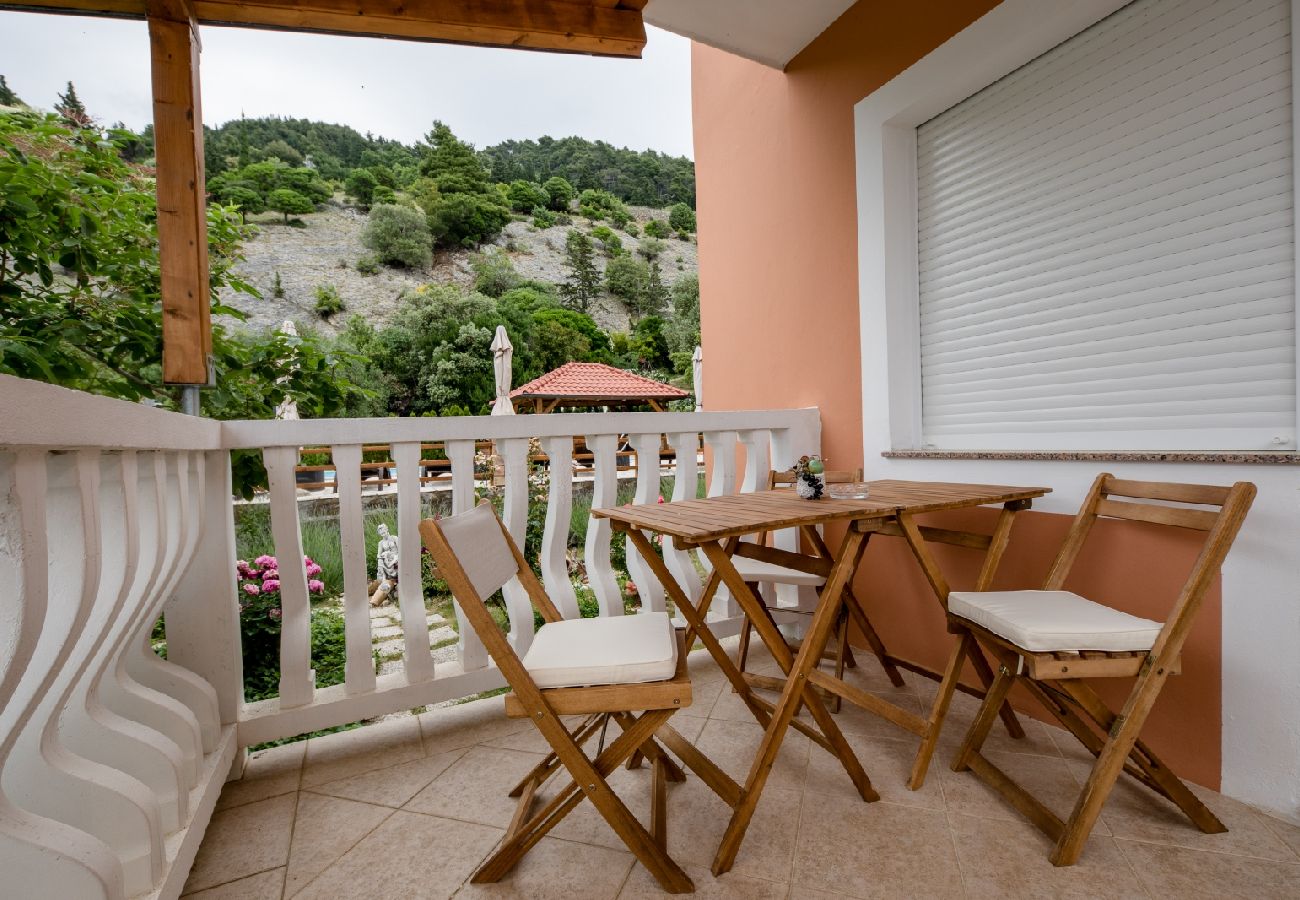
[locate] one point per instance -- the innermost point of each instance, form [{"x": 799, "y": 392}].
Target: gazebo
[{"x": 586, "y": 384}]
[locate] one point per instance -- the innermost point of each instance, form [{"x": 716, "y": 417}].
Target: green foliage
[
  {"x": 631, "y": 228},
  {"x": 494, "y": 273},
  {"x": 525, "y": 195},
  {"x": 69, "y": 202},
  {"x": 452, "y": 163},
  {"x": 559, "y": 192},
  {"x": 384, "y": 194},
  {"x": 655, "y": 299},
  {"x": 597, "y": 205},
  {"x": 582, "y": 284},
  {"x": 651, "y": 247},
  {"x": 332, "y": 149},
  {"x": 681, "y": 218},
  {"x": 658, "y": 228},
  {"x": 360, "y": 184},
  {"x": 245, "y": 199},
  {"x": 399, "y": 236},
  {"x": 328, "y": 301},
  {"x": 277, "y": 290},
  {"x": 612, "y": 243},
  {"x": 543, "y": 217},
  {"x": 280, "y": 149},
  {"x": 566, "y": 335},
  {"x": 682, "y": 331},
  {"x": 368, "y": 264},
  {"x": 7, "y": 96},
  {"x": 72, "y": 110},
  {"x": 626, "y": 277},
  {"x": 646, "y": 178},
  {"x": 287, "y": 200},
  {"x": 649, "y": 344}
]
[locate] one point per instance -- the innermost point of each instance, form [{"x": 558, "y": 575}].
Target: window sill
[{"x": 1276, "y": 458}]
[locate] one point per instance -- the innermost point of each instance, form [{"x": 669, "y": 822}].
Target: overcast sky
[{"x": 391, "y": 88}]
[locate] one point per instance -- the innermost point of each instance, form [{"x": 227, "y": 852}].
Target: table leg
[{"x": 797, "y": 691}]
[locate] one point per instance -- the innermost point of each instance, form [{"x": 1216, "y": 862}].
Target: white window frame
[{"x": 885, "y": 121}]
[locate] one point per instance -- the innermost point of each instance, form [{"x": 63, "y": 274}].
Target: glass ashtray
[{"x": 853, "y": 490}]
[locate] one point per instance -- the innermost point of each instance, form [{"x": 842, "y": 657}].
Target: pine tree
[
  {"x": 452, "y": 163},
  {"x": 7, "y": 96},
  {"x": 656, "y": 293},
  {"x": 583, "y": 283},
  {"x": 72, "y": 109}
]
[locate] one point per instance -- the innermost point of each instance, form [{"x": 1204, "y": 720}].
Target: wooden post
[{"x": 182, "y": 193}]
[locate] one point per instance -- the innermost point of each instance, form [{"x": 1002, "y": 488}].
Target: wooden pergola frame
[{"x": 596, "y": 27}]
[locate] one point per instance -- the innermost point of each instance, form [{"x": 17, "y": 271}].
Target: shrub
[
  {"x": 328, "y": 301},
  {"x": 526, "y": 195},
  {"x": 597, "y": 205},
  {"x": 399, "y": 236},
  {"x": 651, "y": 247},
  {"x": 384, "y": 194},
  {"x": 681, "y": 218},
  {"x": 559, "y": 193},
  {"x": 277, "y": 290},
  {"x": 658, "y": 228},
  {"x": 465, "y": 220},
  {"x": 612, "y": 243},
  {"x": 259, "y": 622},
  {"x": 631, "y": 228},
  {"x": 368, "y": 264},
  {"x": 287, "y": 200},
  {"x": 494, "y": 273},
  {"x": 563, "y": 220},
  {"x": 543, "y": 217},
  {"x": 626, "y": 277}
]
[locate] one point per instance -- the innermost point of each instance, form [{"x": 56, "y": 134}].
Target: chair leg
[
  {"x": 542, "y": 771},
  {"x": 989, "y": 710},
  {"x": 742, "y": 651},
  {"x": 659, "y": 804},
  {"x": 939, "y": 711},
  {"x": 841, "y": 657}
]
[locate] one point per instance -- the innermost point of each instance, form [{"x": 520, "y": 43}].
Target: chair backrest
[
  {"x": 785, "y": 478},
  {"x": 1217, "y": 511},
  {"x": 476, "y": 556}
]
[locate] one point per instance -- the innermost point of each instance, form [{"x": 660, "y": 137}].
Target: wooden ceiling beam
[{"x": 596, "y": 27}]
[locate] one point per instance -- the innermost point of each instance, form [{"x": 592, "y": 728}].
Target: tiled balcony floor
[{"x": 409, "y": 808}]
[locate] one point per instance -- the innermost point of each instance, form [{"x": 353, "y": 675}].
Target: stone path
[{"x": 390, "y": 641}]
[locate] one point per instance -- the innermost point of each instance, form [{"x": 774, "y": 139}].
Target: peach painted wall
[{"x": 775, "y": 171}]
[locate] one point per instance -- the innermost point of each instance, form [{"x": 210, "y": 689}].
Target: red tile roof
[{"x": 597, "y": 381}]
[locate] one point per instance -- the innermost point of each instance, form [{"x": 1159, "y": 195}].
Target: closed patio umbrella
[
  {"x": 697, "y": 375},
  {"x": 502, "y": 353}
]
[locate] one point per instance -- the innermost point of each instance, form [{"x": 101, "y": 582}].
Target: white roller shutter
[{"x": 1106, "y": 241}]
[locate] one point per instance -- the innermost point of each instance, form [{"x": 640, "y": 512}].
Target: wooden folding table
[{"x": 716, "y": 525}]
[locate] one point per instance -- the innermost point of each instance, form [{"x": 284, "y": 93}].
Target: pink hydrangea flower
[
  {"x": 661, "y": 499},
  {"x": 630, "y": 589},
  {"x": 252, "y": 590},
  {"x": 270, "y": 575},
  {"x": 313, "y": 570},
  {"x": 271, "y": 585},
  {"x": 241, "y": 566},
  {"x": 315, "y": 586},
  {"x": 274, "y": 612},
  {"x": 264, "y": 560}
]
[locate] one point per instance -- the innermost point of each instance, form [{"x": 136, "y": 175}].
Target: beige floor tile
[
  {"x": 392, "y": 786},
  {"x": 407, "y": 856},
  {"x": 268, "y": 773},
  {"x": 530, "y": 740},
  {"x": 466, "y": 724},
  {"x": 1050, "y": 779},
  {"x": 324, "y": 829},
  {"x": 244, "y": 840},
  {"x": 961, "y": 712},
  {"x": 586, "y": 825},
  {"x": 703, "y": 695},
  {"x": 874, "y": 850},
  {"x": 697, "y": 819},
  {"x": 262, "y": 886},
  {"x": 888, "y": 763},
  {"x": 802, "y": 892},
  {"x": 1135, "y": 813},
  {"x": 1000, "y": 857},
  {"x": 347, "y": 753},
  {"x": 642, "y": 886},
  {"x": 1288, "y": 833},
  {"x": 560, "y": 870},
  {"x": 475, "y": 787},
  {"x": 733, "y": 746},
  {"x": 1177, "y": 873},
  {"x": 856, "y": 720}
]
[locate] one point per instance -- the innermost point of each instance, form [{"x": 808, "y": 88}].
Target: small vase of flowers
[{"x": 810, "y": 477}]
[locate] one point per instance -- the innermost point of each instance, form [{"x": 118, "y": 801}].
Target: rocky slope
[{"x": 327, "y": 249}]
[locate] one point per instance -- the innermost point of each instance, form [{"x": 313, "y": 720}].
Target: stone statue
[{"x": 385, "y": 566}]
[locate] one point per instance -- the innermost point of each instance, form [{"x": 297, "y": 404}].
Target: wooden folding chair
[
  {"x": 1052, "y": 640},
  {"x": 627, "y": 669},
  {"x": 757, "y": 573}
]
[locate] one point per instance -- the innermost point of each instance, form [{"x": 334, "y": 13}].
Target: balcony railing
[{"x": 111, "y": 758}]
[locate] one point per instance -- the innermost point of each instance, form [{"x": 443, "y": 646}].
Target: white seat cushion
[
  {"x": 1053, "y": 621},
  {"x": 757, "y": 570},
  {"x": 605, "y": 650}
]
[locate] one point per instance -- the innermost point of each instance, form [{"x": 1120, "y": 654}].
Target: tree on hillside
[
  {"x": 7, "y": 96},
  {"x": 525, "y": 195},
  {"x": 399, "y": 235},
  {"x": 452, "y": 163},
  {"x": 465, "y": 209},
  {"x": 682, "y": 330},
  {"x": 287, "y": 201},
  {"x": 657, "y": 228},
  {"x": 246, "y": 199},
  {"x": 582, "y": 285},
  {"x": 626, "y": 277},
  {"x": 560, "y": 192},
  {"x": 360, "y": 185},
  {"x": 72, "y": 110},
  {"x": 681, "y": 218},
  {"x": 656, "y": 297}
]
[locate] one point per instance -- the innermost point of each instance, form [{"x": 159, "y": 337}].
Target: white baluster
[
  {"x": 43, "y": 776},
  {"x": 473, "y": 655},
  {"x": 722, "y": 482},
  {"x": 39, "y": 857},
  {"x": 418, "y": 661},
  {"x": 514, "y": 460},
  {"x": 784, "y": 453},
  {"x": 555, "y": 539},
  {"x": 604, "y": 493},
  {"x": 359, "y": 673},
  {"x": 757, "y": 468},
  {"x": 297, "y": 678},
  {"x": 648, "y": 587},
  {"x": 685, "y": 445}
]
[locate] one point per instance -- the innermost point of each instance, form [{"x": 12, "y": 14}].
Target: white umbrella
[
  {"x": 502, "y": 352},
  {"x": 697, "y": 370}
]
